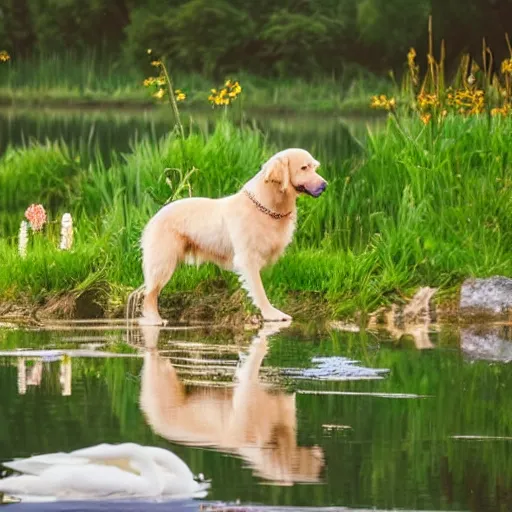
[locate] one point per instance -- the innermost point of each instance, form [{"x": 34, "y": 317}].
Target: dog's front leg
[{"x": 250, "y": 274}]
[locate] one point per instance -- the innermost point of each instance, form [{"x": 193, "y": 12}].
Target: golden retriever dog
[
  {"x": 249, "y": 420},
  {"x": 242, "y": 232}
]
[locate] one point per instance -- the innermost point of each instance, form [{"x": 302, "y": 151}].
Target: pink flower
[{"x": 36, "y": 215}]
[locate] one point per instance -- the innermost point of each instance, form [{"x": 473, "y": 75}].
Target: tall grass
[
  {"x": 68, "y": 78},
  {"x": 46, "y": 171},
  {"x": 421, "y": 205}
]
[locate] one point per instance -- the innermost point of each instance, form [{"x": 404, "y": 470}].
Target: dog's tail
[{"x": 133, "y": 302}]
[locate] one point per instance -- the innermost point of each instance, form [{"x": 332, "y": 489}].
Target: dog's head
[{"x": 294, "y": 170}]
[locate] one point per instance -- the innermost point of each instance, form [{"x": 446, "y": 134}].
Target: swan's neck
[
  {"x": 145, "y": 465},
  {"x": 149, "y": 472}
]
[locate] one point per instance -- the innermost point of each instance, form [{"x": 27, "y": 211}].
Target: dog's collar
[{"x": 264, "y": 209}]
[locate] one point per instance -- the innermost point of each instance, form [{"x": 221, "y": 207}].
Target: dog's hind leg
[{"x": 161, "y": 253}]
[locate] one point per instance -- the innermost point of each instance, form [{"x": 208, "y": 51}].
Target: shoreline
[
  {"x": 356, "y": 108},
  {"x": 196, "y": 308}
]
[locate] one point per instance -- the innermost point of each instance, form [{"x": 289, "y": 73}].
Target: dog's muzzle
[{"x": 314, "y": 192}]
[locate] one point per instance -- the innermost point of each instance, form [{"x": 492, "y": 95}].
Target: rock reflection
[
  {"x": 413, "y": 321},
  {"x": 249, "y": 419},
  {"x": 487, "y": 343}
]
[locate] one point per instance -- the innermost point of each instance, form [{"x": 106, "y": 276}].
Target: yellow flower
[
  {"x": 413, "y": 68},
  {"x": 383, "y": 102},
  {"x": 426, "y": 101},
  {"x": 180, "y": 95},
  {"x": 159, "y": 94},
  {"x": 425, "y": 118},
  {"x": 149, "y": 81},
  {"x": 506, "y": 66},
  {"x": 226, "y": 94},
  {"x": 503, "y": 111},
  {"x": 4, "y": 56},
  {"x": 149, "y": 50},
  {"x": 468, "y": 101},
  {"x": 156, "y": 63}
]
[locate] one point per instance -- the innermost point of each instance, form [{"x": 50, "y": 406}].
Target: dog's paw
[{"x": 274, "y": 315}]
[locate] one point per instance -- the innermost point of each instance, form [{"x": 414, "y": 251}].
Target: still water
[
  {"x": 116, "y": 130},
  {"x": 297, "y": 416}
]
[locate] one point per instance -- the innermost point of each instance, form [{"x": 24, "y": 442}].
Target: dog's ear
[{"x": 277, "y": 170}]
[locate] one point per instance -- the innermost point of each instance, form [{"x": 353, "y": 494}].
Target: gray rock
[
  {"x": 486, "y": 297},
  {"x": 490, "y": 344}
]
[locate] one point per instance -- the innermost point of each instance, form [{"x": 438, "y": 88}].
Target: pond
[
  {"x": 115, "y": 130},
  {"x": 292, "y": 416}
]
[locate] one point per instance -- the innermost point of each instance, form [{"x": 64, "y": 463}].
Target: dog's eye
[{"x": 304, "y": 167}]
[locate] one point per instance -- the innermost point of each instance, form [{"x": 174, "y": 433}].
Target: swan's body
[{"x": 103, "y": 471}]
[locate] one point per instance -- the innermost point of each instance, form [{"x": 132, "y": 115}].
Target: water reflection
[
  {"x": 487, "y": 342},
  {"x": 88, "y": 130},
  {"x": 250, "y": 419},
  {"x": 451, "y": 451},
  {"x": 33, "y": 375},
  {"x": 413, "y": 321}
]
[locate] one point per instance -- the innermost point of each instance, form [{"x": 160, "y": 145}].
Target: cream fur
[
  {"x": 250, "y": 420},
  {"x": 230, "y": 231}
]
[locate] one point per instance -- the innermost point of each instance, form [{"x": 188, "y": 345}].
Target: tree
[
  {"x": 197, "y": 36},
  {"x": 17, "y": 27},
  {"x": 391, "y": 27},
  {"x": 293, "y": 41}
]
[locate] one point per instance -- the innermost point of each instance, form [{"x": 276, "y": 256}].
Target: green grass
[
  {"x": 419, "y": 206},
  {"x": 68, "y": 79}
]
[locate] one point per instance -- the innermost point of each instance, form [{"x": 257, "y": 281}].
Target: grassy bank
[
  {"x": 422, "y": 205},
  {"x": 68, "y": 80}
]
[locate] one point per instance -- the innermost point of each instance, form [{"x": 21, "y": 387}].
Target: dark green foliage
[{"x": 283, "y": 37}]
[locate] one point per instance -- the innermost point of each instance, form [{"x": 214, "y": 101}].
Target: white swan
[{"x": 120, "y": 471}]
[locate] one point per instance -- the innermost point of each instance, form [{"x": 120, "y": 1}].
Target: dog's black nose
[{"x": 319, "y": 189}]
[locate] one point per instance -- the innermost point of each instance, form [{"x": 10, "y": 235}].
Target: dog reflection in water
[{"x": 250, "y": 420}]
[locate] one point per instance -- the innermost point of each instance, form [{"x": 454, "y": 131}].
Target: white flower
[
  {"x": 23, "y": 239},
  {"x": 66, "y": 232}
]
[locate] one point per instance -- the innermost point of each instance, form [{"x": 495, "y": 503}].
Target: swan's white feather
[
  {"x": 103, "y": 471},
  {"x": 38, "y": 463}
]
